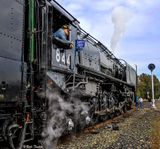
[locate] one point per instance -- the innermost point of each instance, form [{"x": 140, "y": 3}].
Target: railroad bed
[{"x": 137, "y": 129}]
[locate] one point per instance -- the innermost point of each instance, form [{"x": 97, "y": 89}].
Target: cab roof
[{"x": 62, "y": 10}]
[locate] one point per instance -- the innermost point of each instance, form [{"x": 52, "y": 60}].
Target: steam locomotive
[{"x": 32, "y": 64}]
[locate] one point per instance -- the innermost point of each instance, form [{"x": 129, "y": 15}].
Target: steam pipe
[
  {"x": 10, "y": 140},
  {"x": 10, "y": 135},
  {"x": 31, "y": 29}
]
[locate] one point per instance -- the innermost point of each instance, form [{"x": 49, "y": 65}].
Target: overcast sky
[{"x": 129, "y": 28}]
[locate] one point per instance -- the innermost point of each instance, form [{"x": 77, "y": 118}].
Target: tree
[{"x": 145, "y": 88}]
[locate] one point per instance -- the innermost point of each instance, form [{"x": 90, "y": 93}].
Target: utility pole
[
  {"x": 151, "y": 67},
  {"x": 136, "y": 80}
]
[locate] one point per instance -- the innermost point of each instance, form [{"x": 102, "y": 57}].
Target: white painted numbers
[
  {"x": 58, "y": 57},
  {"x": 69, "y": 60},
  {"x": 63, "y": 58}
]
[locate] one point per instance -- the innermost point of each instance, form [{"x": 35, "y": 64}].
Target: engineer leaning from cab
[{"x": 61, "y": 36}]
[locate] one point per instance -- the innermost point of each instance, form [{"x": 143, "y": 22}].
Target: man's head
[{"x": 66, "y": 29}]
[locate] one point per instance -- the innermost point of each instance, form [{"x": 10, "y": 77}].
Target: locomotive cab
[
  {"x": 60, "y": 52},
  {"x": 59, "y": 57}
]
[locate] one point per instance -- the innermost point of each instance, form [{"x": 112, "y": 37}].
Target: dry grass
[{"x": 156, "y": 129}]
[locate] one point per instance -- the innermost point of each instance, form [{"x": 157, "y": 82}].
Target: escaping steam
[
  {"x": 120, "y": 18},
  {"x": 63, "y": 115}
]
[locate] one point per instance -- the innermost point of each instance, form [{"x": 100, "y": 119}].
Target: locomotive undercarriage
[
  {"x": 108, "y": 103},
  {"x": 105, "y": 99},
  {"x": 16, "y": 124}
]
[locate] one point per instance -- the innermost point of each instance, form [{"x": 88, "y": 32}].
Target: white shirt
[{"x": 140, "y": 100}]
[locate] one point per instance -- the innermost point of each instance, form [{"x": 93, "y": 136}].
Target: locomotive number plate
[{"x": 62, "y": 57}]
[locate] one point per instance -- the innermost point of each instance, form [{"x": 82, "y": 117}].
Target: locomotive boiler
[{"x": 34, "y": 68}]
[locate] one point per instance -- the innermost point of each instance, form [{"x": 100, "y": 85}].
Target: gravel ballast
[{"x": 139, "y": 130}]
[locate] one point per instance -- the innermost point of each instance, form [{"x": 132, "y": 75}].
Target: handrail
[{"x": 101, "y": 46}]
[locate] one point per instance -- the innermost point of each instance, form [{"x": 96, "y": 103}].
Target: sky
[{"x": 129, "y": 28}]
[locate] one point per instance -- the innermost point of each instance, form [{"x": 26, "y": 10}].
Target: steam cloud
[
  {"x": 120, "y": 18},
  {"x": 62, "y": 114}
]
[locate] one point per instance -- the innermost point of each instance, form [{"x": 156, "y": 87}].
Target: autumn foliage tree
[{"x": 144, "y": 88}]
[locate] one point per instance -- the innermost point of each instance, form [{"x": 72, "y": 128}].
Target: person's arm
[
  {"x": 60, "y": 40},
  {"x": 62, "y": 43}
]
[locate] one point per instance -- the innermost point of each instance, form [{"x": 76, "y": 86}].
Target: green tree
[{"x": 145, "y": 88}]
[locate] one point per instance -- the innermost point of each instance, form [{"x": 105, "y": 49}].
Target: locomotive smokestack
[{"x": 120, "y": 18}]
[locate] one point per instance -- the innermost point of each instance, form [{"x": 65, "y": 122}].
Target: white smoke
[
  {"x": 56, "y": 119},
  {"x": 120, "y": 18},
  {"x": 63, "y": 114}
]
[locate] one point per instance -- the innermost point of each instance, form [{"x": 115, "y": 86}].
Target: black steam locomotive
[{"x": 34, "y": 68}]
